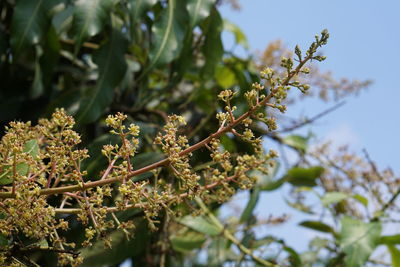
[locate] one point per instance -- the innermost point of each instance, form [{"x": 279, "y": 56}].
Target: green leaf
[
  {"x": 363, "y": 200},
  {"x": 304, "y": 177},
  {"x": 266, "y": 181},
  {"x": 200, "y": 224},
  {"x": 212, "y": 49},
  {"x": 358, "y": 240},
  {"x": 122, "y": 248},
  {"x": 187, "y": 241},
  {"x": 297, "y": 141},
  {"x": 333, "y": 198},
  {"x": 390, "y": 239},
  {"x": 318, "y": 226},
  {"x": 225, "y": 77},
  {"x": 395, "y": 255},
  {"x": 240, "y": 37},
  {"x": 169, "y": 32},
  {"x": 198, "y": 10},
  {"x": 294, "y": 257},
  {"x": 251, "y": 204},
  {"x": 90, "y": 16},
  {"x": 29, "y": 23},
  {"x": 32, "y": 148},
  {"x": 110, "y": 59},
  {"x": 137, "y": 8},
  {"x": 3, "y": 240}
]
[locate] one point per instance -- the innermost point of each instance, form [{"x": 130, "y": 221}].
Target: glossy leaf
[
  {"x": 318, "y": 226},
  {"x": 199, "y": 10},
  {"x": 240, "y": 37},
  {"x": 212, "y": 49},
  {"x": 112, "y": 67},
  {"x": 358, "y": 240},
  {"x": 304, "y": 177},
  {"x": 169, "y": 32},
  {"x": 90, "y": 16},
  {"x": 251, "y": 204},
  {"x": 333, "y": 198},
  {"x": 225, "y": 77},
  {"x": 200, "y": 224},
  {"x": 26, "y": 32}
]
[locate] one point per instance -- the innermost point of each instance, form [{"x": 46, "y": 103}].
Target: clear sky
[{"x": 364, "y": 44}]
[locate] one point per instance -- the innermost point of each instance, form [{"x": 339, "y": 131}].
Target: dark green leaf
[
  {"x": 358, "y": 240},
  {"x": 199, "y": 10},
  {"x": 212, "y": 49},
  {"x": 3, "y": 240},
  {"x": 251, "y": 204},
  {"x": 169, "y": 32},
  {"x": 97, "y": 256},
  {"x": 29, "y": 23},
  {"x": 333, "y": 198},
  {"x": 318, "y": 226},
  {"x": 112, "y": 67},
  {"x": 200, "y": 224},
  {"x": 304, "y": 177},
  {"x": 90, "y": 16}
]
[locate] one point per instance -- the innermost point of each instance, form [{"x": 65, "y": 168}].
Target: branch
[
  {"x": 84, "y": 186},
  {"x": 228, "y": 235}
]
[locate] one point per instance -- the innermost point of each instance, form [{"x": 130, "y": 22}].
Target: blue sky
[{"x": 364, "y": 44}]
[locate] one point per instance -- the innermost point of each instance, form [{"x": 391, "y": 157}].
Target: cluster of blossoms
[{"x": 42, "y": 178}]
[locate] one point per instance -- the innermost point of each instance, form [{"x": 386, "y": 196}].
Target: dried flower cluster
[{"x": 42, "y": 179}]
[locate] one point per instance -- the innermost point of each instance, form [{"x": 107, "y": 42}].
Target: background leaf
[
  {"x": 169, "y": 31},
  {"x": 90, "y": 16},
  {"x": 358, "y": 240},
  {"x": 304, "y": 177},
  {"x": 112, "y": 66}
]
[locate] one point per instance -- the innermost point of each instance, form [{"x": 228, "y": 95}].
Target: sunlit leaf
[
  {"x": 333, "y": 198},
  {"x": 240, "y": 37},
  {"x": 395, "y": 255},
  {"x": 363, "y": 200},
  {"x": 390, "y": 239},
  {"x": 358, "y": 240}
]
